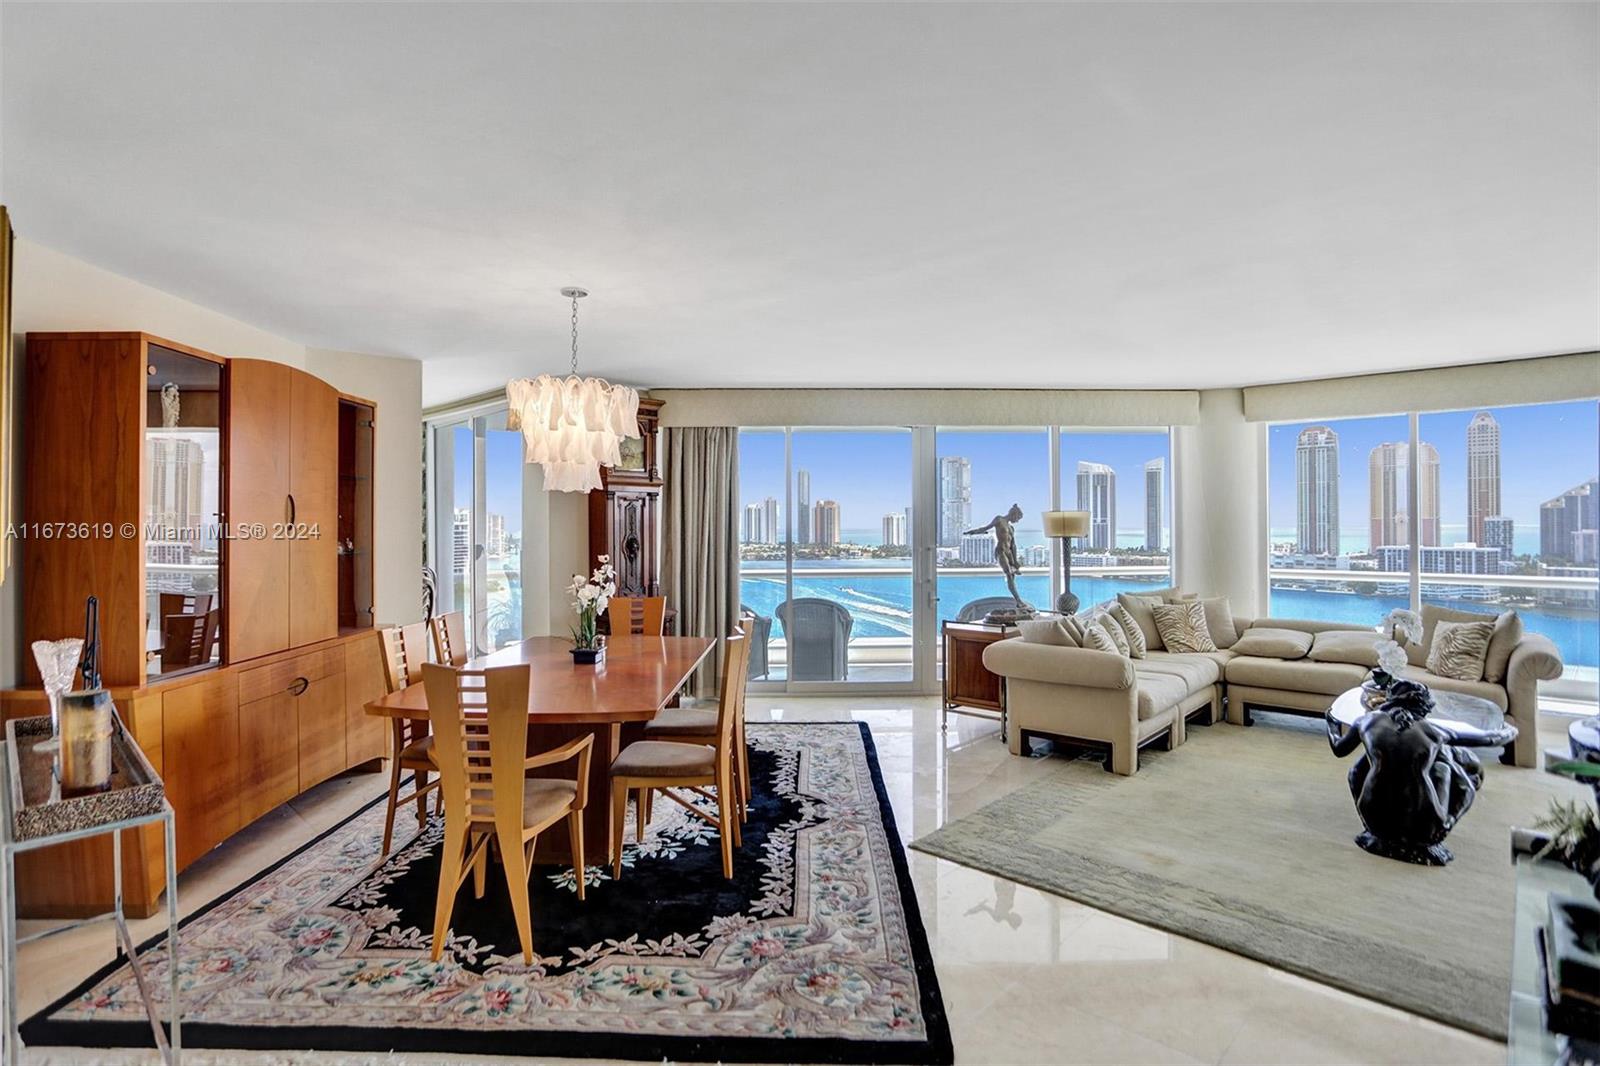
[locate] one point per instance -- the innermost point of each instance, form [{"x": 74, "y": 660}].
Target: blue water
[{"x": 881, "y": 604}]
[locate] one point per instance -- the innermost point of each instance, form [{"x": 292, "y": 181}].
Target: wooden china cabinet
[
  {"x": 228, "y": 499},
  {"x": 625, "y": 515}
]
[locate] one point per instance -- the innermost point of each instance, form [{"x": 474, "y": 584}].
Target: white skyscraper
[
  {"x": 802, "y": 507},
  {"x": 751, "y": 532},
  {"x": 826, "y": 529},
  {"x": 771, "y": 526},
  {"x": 1155, "y": 502},
  {"x": 977, "y": 549},
  {"x": 461, "y": 540},
  {"x": 177, "y": 467},
  {"x": 1316, "y": 487},
  {"x": 1483, "y": 473},
  {"x": 955, "y": 498},
  {"x": 1097, "y": 494},
  {"x": 894, "y": 529}
]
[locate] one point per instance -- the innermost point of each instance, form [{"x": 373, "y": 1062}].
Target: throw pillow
[
  {"x": 1219, "y": 622},
  {"x": 1359, "y": 648},
  {"x": 1139, "y": 607},
  {"x": 1045, "y": 631},
  {"x": 1104, "y": 621},
  {"x": 1459, "y": 650},
  {"x": 1270, "y": 643},
  {"x": 1095, "y": 638},
  {"x": 1183, "y": 626},
  {"x": 1431, "y": 617},
  {"x": 1507, "y": 635},
  {"x": 1130, "y": 629}
]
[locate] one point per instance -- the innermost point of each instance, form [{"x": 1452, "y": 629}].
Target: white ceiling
[{"x": 1084, "y": 195}]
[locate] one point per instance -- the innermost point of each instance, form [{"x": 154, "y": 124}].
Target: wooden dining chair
[
  {"x": 698, "y": 725},
  {"x": 480, "y": 727},
  {"x": 637, "y": 615},
  {"x": 188, "y": 639},
  {"x": 649, "y": 766},
  {"x": 404, "y": 653},
  {"x": 450, "y": 638},
  {"x": 185, "y": 603}
]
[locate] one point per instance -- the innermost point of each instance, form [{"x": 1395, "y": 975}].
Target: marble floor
[{"x": 1027, "y": 977}]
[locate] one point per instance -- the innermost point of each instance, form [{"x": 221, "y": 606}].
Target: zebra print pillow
[
  {"x": 1095, "y": 638},
  {"x": 1459, "y": 650},
  {"x": 1137, "y": 646},
  {"x": 1183, "y": 626}
]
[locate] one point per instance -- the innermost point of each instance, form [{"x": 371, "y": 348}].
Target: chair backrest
[
  {"x": 480, "y": 728},
  {"x": 736, "y": 659},
  {"x": 188, "y": 639},
  {"x": 414, "y": 639},
  {"x": 450, "y": 638},
  {"x": 759, "y": 629},
  {"x": 185, "y": 603},
  {"x": 638, "y": 615},
  {"x": 976, "y": 610},
  {"x": 818, "y": 635}
]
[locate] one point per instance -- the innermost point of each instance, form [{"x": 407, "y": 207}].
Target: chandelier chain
[{"x": 574, "y": 335}]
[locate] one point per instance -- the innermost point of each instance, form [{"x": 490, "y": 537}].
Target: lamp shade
[{"x": 1066, "y": 523}]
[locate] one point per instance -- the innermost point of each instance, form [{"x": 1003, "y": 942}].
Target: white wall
[
  {"x": 1220, "y": 534},
  {"x": 55, "y": 292}
]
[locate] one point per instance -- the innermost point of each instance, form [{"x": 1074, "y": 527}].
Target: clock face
[{"x": 632, "y": 449}]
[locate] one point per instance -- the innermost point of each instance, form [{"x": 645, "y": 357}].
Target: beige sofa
[{"x": 1125, "y": 704}]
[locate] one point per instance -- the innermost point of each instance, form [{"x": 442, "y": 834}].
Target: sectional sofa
[{"x": 1123, "y": 704}]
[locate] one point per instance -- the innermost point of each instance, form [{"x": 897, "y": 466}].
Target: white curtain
[{"x": 700, "y": 555}]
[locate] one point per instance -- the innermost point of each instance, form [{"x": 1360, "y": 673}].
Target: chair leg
[
  {"x": 422, "y": 799},
  {"x": 744, "y": 769},
  {"x": 449, "y": 882},
  {"x": 515, "y": 863},
  {"x": 649, "y": 806},
  {"x": 480, "y": 871},
  {"x": 394, "y": 795},
  {"x": 575, "y": 834},
  {"x": 728, "y": 817},
  {"x": 619, "y": 816}
]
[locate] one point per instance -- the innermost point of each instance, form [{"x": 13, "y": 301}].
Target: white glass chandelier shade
[{"x": 571, "y": 426}]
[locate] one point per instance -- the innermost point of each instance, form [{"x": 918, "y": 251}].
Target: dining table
[{"x": 638, "y": 676}]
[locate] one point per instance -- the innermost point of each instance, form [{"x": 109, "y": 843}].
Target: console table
[{"x": 968, "y": 687}]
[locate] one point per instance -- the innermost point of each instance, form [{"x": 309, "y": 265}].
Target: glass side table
[{"x": 34, "y": 815}]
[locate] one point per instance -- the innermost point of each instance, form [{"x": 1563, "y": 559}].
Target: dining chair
[
  {"x": 188, "y": 639},
  {"x": 480, "y": 726},
  {"x": 698, "y": 725},
  {"x": 450, "y": 638},
  {"x": 404, "y": 653},
  {"x": 184, "y": 603},
  {"x": 649, "y": 766},
  {"x": 637, "y": 615}
]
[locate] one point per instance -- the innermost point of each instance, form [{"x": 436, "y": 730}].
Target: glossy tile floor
[{"x": 1027, "y": 977}]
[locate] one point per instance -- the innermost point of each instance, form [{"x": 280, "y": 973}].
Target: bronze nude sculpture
[{"x": 1005, "y": 556}]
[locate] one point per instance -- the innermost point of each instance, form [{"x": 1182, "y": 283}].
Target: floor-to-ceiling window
[
  {"x": 1123, "y": 479},
  {"x": 1484, "y": 509}
]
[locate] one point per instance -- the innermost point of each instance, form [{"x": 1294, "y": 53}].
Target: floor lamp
[{"x": 1064, "y": 525}]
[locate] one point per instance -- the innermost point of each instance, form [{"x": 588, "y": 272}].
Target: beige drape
[{"x": 700, "y": 534}]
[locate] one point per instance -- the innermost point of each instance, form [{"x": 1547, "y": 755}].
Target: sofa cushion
[
  {"x": 1310, "y": 625},
  {"x": 1158, "y": 693},
  {"x": 1197, "y": 671},
  {"x": 1219, "y": 621},
  {"x": 1459, "y": 649},
  {"x": 1417, "y": 652},
  {"x": 1340, "y": 646},
  {"x": 1141, "y": 608},
  {"x": 1045, "y": 631},
  {"x": 1507, "y": 635},
  {"x": 1137, "y": 645},
  {"x": 1495, "y": 694},
  {"x": 1266, "y": 641},
  {"x": 1301, "y": 675},
  {"x": 1183, "y": 626}
]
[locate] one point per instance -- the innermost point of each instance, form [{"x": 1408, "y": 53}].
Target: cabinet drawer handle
[
  {"x": 298, "y": 686},
  {"x": 291, "y": 509}
]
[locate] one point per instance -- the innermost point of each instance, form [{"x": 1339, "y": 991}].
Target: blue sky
[
  {"x": 1545, "y": 449},
  {"x": 502, "y": 473},
  {"x": 869, "y": 471}
]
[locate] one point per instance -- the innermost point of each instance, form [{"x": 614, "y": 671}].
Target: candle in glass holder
[{"x": 85, "y": 756}]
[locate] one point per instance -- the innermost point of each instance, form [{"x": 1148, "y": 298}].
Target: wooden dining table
[{"x": 638, "y": 677}]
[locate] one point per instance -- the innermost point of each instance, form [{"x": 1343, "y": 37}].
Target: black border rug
[{"x": 395, "y": 898}]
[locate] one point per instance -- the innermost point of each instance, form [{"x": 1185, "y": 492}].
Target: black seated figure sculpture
[{"x": 1414, "y": 781}]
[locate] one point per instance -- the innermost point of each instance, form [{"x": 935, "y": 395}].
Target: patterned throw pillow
[
  {"x": 1183, "y": 626},
  {"x": 1104, "y": 621},
  {"x": 1137, "y": 647},
  {"x": 1459, "y": 650},
  {"x": 1095, "y": 638}
]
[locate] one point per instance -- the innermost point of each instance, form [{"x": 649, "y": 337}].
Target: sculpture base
[
  {"x": 1401, "y": 851},
  {"x": 1067, "y": 603},
  {"x": 1009, "y": 616}
]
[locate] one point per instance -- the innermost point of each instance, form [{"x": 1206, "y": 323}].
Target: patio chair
[
  {"x": 818, "y": 634},
  {"x": 760, "y": 630},
  {"x": 978, "y": 608}
]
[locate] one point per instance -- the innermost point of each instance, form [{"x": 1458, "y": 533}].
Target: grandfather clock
[{"x": 625, "y": 515}]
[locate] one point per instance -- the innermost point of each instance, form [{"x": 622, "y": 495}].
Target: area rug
[
  {"x": 1243, "y": 838},
  {"x": 814, "y": 952}
]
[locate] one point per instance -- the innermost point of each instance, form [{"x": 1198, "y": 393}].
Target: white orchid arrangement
[
  {"x": 590, "y": 597},
  {"x": 1403, "y": 626},
  {"x": 1391, "y": 660}
]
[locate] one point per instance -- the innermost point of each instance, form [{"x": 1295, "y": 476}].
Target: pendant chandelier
[{"x": 572, "y": 426}]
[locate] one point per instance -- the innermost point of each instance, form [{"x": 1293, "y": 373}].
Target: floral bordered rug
[{"x": 814, "y": 951}]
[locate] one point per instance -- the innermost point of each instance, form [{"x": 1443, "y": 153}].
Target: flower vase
[{"x": 589, "y": 656}]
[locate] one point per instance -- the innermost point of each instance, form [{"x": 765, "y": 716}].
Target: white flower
[
  {"x": 603, "y": 559},
  {"x": 1391, "y": 658}
]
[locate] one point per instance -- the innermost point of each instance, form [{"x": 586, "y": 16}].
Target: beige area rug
[{"x": 1243, "y": 838}]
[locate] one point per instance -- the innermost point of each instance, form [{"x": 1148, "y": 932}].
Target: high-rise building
[
  {"x": 494, "y": 534},
  {"x": 1036, "y": 555},
  {"x": 177, "y": 472},
  {"x": 1155, "y": 502},
  {"x": 751, "y": 532},
  {"x": 1388, "y": 467},
  {"x": 1483, "y": 473},
  {"x": 826, "y": 529},
  {"x": 955, "y": 498},
  {"x": 977, "y": 549},
  {"x": 894, "y": 529},
  {"x": 1316, "y": 489},
  {"x": 1500, "y": 532},
  {"x": 802, "y": 506},
  {"x": 1564, "y": 518},
  {"x": 1097, "y": 494},
  {"x": 461, "y": 540},
  {"x": 1455, "y": 559},
  {"x": 771, "y": 526}
]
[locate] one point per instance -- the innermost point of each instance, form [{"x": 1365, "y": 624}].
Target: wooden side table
[{"x": 968, "y": 686}]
